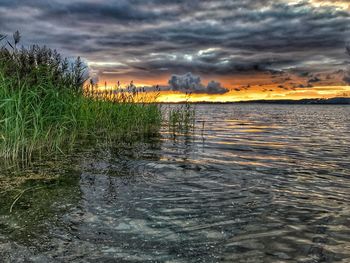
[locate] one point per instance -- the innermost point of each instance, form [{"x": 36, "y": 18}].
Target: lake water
[{"x": 251, "y": 183}]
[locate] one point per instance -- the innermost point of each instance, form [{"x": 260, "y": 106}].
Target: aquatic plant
[
  {"x": 45, "y": 107},
  {"x": 181, "y": 118}
]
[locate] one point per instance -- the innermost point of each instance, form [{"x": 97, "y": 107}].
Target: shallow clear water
[{"x": 251, "y": 183}]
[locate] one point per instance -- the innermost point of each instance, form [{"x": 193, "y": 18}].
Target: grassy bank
[{"x": 45, "y": 106}]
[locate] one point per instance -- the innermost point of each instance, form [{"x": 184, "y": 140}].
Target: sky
[{"x": 219, "y": 50}]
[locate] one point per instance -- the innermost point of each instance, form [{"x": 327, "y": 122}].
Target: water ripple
[{"x": 251, "y": 183}]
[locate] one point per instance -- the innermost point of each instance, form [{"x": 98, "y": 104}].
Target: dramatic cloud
[
  {"x": 215, "y": 88},
  {"x": 314, "y": 79},
  {"x": 192, "y": 84},
  {"x": 149, "y": 38},
  {"x": 346, "y": 79}
]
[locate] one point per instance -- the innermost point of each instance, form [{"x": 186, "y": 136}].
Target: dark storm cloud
[
  {"x": 314, "y": 80},
  {"x": 152, "y": 37},
  {"x": 346, "y": 79},
  {"x": 193, "y": 84},
  {"x": 121, "y": 11}
]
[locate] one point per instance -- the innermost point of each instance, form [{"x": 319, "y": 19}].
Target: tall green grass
[{"x": 45, "y": 107}]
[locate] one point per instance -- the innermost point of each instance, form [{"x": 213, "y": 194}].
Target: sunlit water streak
[{"x": 251, "y": 183}]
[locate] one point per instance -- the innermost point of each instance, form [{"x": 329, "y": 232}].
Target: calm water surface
[{"x": 251, "y": 183}]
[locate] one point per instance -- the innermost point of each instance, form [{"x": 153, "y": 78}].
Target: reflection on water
[{"x": 251, "y": 183}]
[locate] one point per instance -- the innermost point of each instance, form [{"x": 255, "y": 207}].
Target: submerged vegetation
[{"x": 45, "y": 105}]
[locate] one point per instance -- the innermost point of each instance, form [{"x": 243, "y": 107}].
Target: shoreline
[{"x": 331, "y": 101}]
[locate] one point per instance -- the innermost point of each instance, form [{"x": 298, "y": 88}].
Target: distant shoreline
[{"x": 331, "y": 101}]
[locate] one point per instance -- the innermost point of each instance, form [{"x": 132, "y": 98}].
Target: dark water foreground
[{"x": 252, "y": 183}]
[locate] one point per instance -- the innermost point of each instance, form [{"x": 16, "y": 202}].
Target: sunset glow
[
  {"x": 216, "y": 50},
  {"x": 232, "y": 96},
  {"x": 175, "y": 131}
]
